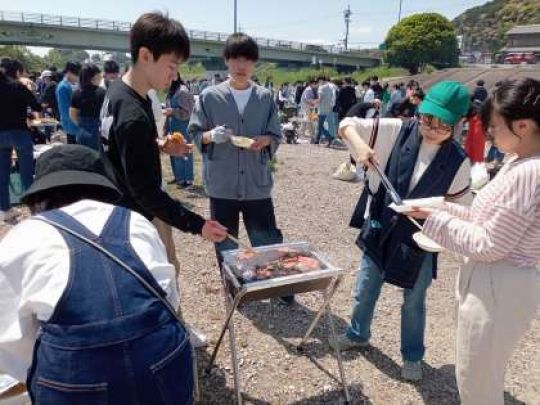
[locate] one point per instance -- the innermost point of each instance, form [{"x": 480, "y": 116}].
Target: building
[{"x": 523, "y": 39}]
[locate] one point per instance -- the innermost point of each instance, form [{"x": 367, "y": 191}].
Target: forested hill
[{"x": 484, "y": 27}]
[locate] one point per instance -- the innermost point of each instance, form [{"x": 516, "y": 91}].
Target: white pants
[{"x": 496, "y": 304}]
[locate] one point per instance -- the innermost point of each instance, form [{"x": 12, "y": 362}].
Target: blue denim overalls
[{"x": 109, "y": 340}]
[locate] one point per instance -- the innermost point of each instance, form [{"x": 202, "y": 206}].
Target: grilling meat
[{"x": 290, "y": 263}]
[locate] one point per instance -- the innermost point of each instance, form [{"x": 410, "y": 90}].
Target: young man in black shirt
[{"x": 129, "y": 134}]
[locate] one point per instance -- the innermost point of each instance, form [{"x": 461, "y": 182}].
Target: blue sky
[{"x": 318, "y": 21}]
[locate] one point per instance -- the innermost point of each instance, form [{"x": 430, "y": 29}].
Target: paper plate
[
  {"x": 242, "y": 141},
  {"x": 427, "y": 244},
  {"x": 408, "y": 205}
]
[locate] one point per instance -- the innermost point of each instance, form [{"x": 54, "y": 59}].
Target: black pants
[{"x": 259, "y": 220}]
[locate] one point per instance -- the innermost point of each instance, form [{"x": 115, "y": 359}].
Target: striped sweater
[{"x": 503, "y": 222}]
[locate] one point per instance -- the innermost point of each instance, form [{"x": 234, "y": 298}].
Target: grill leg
[
  {"x": 220, "y": 340},
  {"x": 328, "y": 294},
  {"x": 196, "y": 388},
  {"x": 230, "y": 312},
  {"x": 234, "y": 358},
  {"x": 230, "y": 306},
  {"x": 338, "y": 355}
]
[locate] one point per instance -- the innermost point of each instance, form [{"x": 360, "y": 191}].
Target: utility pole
[
  {"x": 235, "y": 17},
  {"x": 399, "y": 15},
  {"x": 347, "y": 14}
]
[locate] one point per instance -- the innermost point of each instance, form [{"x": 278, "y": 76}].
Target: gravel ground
[{"x": 311, "y": 206}]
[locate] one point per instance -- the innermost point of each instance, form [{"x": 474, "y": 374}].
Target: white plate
[
  {"x": 427, "y": 244},
  {"x": 408, "y": 205},
  {"x": 242, "y": 141}
]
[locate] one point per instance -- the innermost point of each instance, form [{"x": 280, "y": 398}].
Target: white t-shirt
[
  {"x": 241, "y": 97},
  {"x": 426, "y": 154},
  {"x": 34, "y": 272},
  {"x": 369, "y": 96}
]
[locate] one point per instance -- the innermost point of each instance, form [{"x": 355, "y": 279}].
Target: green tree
[
  {"x": 422, "y": 39},
  {"x": 30, "y": 61},
  {"x": 59, "y": 57}
]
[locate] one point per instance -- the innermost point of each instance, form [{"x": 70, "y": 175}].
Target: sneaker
[
  {"x": 344, "y": 343},
  {"x": 411, "y": 370},
  {"x": 196, "y": 338}
]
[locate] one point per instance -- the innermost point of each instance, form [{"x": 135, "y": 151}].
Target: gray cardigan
[{"x": 233, "y": 173}]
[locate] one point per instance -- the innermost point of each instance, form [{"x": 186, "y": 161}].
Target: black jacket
[{"x": 346, "y": 98}]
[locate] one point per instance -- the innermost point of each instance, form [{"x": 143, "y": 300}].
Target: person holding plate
[
  {"x": 237, "y": 175},
  {"x": 420, "y": 159},
  {"x": 498, "y": 288}
]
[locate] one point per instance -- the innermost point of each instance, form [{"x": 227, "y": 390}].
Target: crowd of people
[{"x": 102, "y": 215}]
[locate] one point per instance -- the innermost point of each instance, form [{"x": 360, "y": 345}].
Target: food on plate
[
  {"x": 242, "y": 141},
  {"x": 177, "y": 137}
]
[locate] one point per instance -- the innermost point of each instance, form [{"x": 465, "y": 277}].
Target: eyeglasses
[{"x": 428, "y": 122}]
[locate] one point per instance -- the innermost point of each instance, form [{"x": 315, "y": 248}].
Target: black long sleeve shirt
[
  {"x": 15, "y": 98},
  {"x": 134, "y": 155}
]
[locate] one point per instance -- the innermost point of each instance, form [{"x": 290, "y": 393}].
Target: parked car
[{"x": 518, "y": 58}]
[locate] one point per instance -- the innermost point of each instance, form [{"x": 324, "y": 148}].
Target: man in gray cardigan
[{"x": 239, "y": 180}]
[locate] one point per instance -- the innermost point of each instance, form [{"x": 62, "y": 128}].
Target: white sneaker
[
  {"x": 343, "y": 343},
  {"x": 411, "y": 370},
  {"x": 196, "y": 338}
]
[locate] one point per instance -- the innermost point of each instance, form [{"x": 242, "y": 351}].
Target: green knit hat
[{"x": 447, "y": 101}]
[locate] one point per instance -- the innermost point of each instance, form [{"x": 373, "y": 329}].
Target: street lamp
[
  {"x": 235, "y": 17},
  {"x": 399, "y": 15}
]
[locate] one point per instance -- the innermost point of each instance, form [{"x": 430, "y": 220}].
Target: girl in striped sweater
[{"x": 498, "y": 288}]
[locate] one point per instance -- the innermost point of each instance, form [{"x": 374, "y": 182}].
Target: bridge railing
[
  {"x": 77, "y": 22},
  {"x": 111, "y": 25}
]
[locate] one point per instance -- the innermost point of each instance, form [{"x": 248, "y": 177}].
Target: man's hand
[
  {"x": 260, "y": 143},
  {"x": 214, "y": 231},
  {"x": 220, "y": 134},
  {"x": 173, "y": 148},
  {"x": 167, "y": 112}
]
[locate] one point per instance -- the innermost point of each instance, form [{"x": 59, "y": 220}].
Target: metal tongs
[
  {"x": 241, "y": 244},
  {"x": 386, "y": 183},
  {"x": 394, "y": 196}
]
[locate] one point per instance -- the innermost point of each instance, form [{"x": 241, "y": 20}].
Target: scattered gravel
[{"x": 311, "y": 206}]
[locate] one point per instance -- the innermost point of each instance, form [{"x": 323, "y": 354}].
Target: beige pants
[
  {"x": 496, "y": 304},
  {"x": 165, "y": 234}
]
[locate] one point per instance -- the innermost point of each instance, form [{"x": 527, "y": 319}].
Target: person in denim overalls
[{"x": 108, "y": 339}]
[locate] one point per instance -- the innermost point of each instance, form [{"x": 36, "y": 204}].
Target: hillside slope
[{"x": 484, "y": 27}]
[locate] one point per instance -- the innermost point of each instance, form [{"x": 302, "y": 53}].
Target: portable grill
[{"x": 240, "y": 289}]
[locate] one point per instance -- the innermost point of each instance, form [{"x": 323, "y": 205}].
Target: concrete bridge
[{"x": 106, "y": 35}]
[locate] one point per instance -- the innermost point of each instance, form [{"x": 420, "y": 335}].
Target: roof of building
[
  {"x": 525, "y": 29},
  {"x": 521, "y": 49}
]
